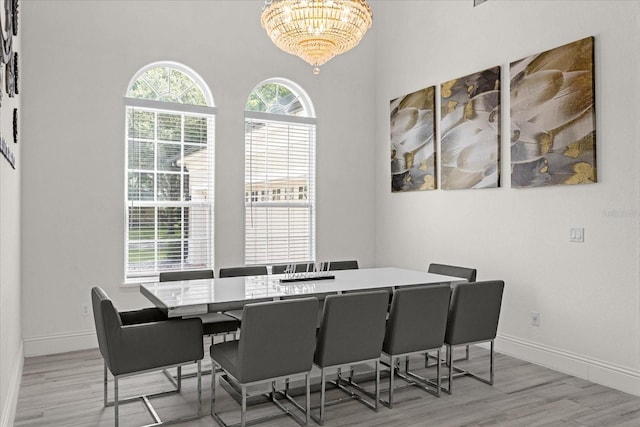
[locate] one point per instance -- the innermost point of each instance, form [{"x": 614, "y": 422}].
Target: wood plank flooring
[{"x": 66, "y": 390}]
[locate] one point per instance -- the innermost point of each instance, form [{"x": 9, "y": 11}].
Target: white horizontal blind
[
  {"x": 169, "y": 191},
  {"x": 279, "y": 190}
]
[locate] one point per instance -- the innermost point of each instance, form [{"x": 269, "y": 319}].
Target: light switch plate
[{"x": 576, "y": 234}]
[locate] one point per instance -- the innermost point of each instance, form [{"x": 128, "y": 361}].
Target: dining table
[{"x": 188, "y": 298}]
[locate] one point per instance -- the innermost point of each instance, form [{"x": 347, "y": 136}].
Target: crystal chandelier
[{"x": 316, "y": 30}]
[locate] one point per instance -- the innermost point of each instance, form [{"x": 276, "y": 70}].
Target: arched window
[
  {"x": 169, "y": 186},
  {"x": 280, "y": 135}
]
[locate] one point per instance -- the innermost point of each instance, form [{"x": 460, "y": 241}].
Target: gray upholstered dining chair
[
  {"x": 343, "y": 265},
  {"x": 416, "y": 325},
  {"x": 136, "y": 342},
  {"x": 473, "y": 318},
  {"x": 469, "y": 274},
  {"x": 251, "y": 270},
  {"x": 173, "y": 276},
  {"x": 277, "y": 342},
  {"x": 451, "y": 270},
  {"x": 351, "y": 332}
]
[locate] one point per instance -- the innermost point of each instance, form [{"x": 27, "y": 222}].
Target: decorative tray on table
[{"x": 307, "y": 277}]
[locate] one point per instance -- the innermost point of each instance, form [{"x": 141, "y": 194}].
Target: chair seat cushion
[{"x": 226, "y": 355}]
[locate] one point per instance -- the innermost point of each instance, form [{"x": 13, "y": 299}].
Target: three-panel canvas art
[{"x": 552, "y": 126}]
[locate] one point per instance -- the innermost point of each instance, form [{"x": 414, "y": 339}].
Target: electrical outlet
[
  {"x": 576, "y": 234},
  {"x": 85, "y": 309},
  {"x": 535, "y": 318}
]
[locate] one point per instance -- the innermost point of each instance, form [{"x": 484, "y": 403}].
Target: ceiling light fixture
[{"x": 316, "y": 30}]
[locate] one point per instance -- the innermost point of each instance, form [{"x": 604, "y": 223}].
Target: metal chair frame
[
  {"x": 478, "y": 327},
  {"x": 431, "y": 386},
  {"x": 272, "y": 398},
  {"x": 466, "y": 373},
  {"x": 341, "y": 384},
  {"x": 365, "y": 313},
  {"x": 144, "y": 398}
]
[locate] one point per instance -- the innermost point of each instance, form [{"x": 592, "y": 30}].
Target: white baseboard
[
  {"x": 597, "y": 371},
  {"x": 11, "y": 401},
  {"x": 60, "y": 343}
]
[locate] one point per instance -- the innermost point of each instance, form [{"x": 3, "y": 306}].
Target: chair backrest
[
  {"x": 106, "y": 319},
  {"x": 253, "y": 270},
  {"x": 417, "y": 319},
  {"x": 474, "y": 312},
  {"x": 452, "y": 270},
  {"x": 352, "y": 328},
  {"x": 277, "y": 339},
  {"x": 343, "y": 265},
  {"x": 300, "y": 268},
  {"x": 147, "y": 342},
  {"x": 172, "y": 276}
]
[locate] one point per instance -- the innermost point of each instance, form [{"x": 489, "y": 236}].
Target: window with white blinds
[
  {"x": 169, "y": 183},
  {"x": 279, "y": 176}
]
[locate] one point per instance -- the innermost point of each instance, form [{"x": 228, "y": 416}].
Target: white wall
[
  {"x": 79, "y": 58},
  {"x": 586, "y": 294},
  {"x": 10, "y": 308}
]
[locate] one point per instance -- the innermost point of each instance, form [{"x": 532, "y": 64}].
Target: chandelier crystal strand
[{"x": 316, "y": 30}]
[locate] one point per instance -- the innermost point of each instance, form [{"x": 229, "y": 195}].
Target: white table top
[{"x": 190, "y": 297}]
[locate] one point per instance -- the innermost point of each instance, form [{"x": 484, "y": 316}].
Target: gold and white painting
[
  {"x": 553, "y": 131},
  {"x": 470, "y": 131},
  {"x": 412, "y": 141}
]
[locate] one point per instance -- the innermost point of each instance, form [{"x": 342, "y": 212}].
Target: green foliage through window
[
  {"x": 275, "y": 98},
  {"x": 168, "y": 85}
]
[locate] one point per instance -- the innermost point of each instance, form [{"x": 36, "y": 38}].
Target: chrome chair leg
[
  {"x": 105, "y": 384},
  {"x": 199, "y": 388},
  {"x": 450, "y": 365},
  {"x": 377, "y": 385},
  {"x": 243, "y": 407},
  {"x": 439, "y": 379},
  {"x": 322, "y": 397},
  {"x": 213, "y": 394},
  {"x": 307, "y": 381},
  {"x": 491, "y": 364},
  {"x": 392, "y": 374},
  {"x": 115, "y": 400}
]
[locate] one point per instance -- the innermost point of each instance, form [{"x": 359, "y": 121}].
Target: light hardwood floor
[{"x": 66, "y": 390}]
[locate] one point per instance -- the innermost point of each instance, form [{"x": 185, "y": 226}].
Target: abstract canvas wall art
[
  {"x": 412, "y": 141},
  {"x": 553, "y": 131},
  {"x": 470, "y": 131}
]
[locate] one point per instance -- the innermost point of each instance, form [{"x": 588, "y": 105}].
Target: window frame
[
  {"x": 257, "y": 199},
  {"x": 209, "y": 112}
]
